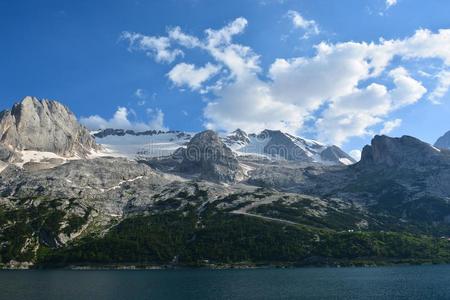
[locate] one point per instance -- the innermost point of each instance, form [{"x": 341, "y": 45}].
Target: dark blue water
[{"x": 417, "y": 282}]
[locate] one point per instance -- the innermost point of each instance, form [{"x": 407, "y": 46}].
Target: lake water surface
[{"x": 406, "y": 282}]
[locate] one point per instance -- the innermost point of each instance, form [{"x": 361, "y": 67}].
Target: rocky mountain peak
[
  {"x": 44, "y": 125},
  {"x": 237, "y": 137},
  {"x": 207, "y": 155},
  {"x": 405, "y": 151},
  {"x": 336, "y": 154},
  {"x": 443, "y": 142},
  {"x": 281, "y": 145}
]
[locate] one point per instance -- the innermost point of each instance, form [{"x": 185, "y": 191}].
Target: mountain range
[
  {"x": 70, "y": 197},
  {"x": 269, "y": 144}
]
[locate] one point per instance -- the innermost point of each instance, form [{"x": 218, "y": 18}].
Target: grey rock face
[
  {"x": 406, "y": 151},
  {"x": 444, "y": 141},
  {"x": 207, "y": 155},
  {"x": 6, "y": 154},
  {"x": 100, "y": 181},
  {"x": 44, "y": 126}
]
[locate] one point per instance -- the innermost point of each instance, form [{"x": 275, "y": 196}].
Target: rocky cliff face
[
  {"x": 207, "y": 155},
  {"x": 405, "y": 151},
  {"x": 43, "y": 125}
]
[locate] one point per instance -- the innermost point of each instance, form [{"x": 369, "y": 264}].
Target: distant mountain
[
  {"x": 271, "y": 144},
  {"x": 277, "y": 144},
  {"x": 44, "y": 126},
  {"x": 443, "y": 142}
]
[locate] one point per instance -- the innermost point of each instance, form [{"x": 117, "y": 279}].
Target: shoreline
[{"x": 232, "y": 266}]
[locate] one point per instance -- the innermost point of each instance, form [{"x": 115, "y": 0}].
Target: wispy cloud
[
  {"x": 157, "y": 47},
  {"x": 390, "y": 3},
  {"x": 442, "y": 87},
  {"x": 141, "y": 94},
  {"x": 310, "y": 27},
  {"x": 389, "y": 126}
]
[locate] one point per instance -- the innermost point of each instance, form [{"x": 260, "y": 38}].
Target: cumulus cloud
[
  {"x": 390, "y": 125},
  {"x": 354, "y": 114},
  {"x": 121, "y": 120},
  {"x": 342, "y": 90},
  {"x": 298, "y": 21},
  {"x": 188, "y": 74}
]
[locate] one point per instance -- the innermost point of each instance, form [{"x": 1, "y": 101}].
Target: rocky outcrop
[
  {"x": 405, "y": 151},
  {"x": 43, "y": 125},
  {"x": 208, "y": 156},
  {"x": 6, "y": 153}
]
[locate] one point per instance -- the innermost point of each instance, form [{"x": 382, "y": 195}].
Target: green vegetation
[
  {"x": 222, "y": 238},
  {"x": 200, "y": 234}
]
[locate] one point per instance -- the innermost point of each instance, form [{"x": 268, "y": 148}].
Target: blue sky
[{"x": 259, "y": 66}]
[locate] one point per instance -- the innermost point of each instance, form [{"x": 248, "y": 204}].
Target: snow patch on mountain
[
  {"x": 3, "y": 166},
  {"x": 140, "y": 145},
  {"x": 273, "y": 144}
]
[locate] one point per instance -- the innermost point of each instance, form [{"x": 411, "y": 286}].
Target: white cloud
[
  {"x": 442, "y": 87},
  {"x": 192, "y": 76},
  {"x": 158, "y": 47},
  {"x": 390, "y": 3},
  {"x": 390, "y": 125},
  {"x": 142, "y": 96},
  {"x": 249, "y": 104},
  {"x": 140, "y": 93},
  {"x": 344, "y": 89},
  {"x": 156, "y": 119},
  {"x": 183, "y": 39},
  {"x": 356, "y": 154},
  {"x": 407, "y": 91},
  {"x": 298, "y": 21},
  {"x": 121, "y": 120},
  {"x": 354, "y": 114}
]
